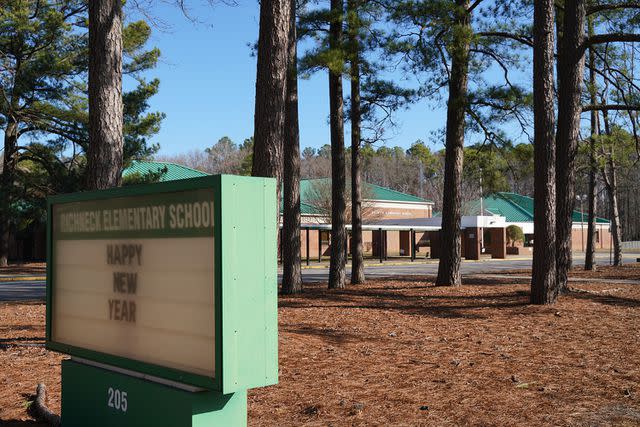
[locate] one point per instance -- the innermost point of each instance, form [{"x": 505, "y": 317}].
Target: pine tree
[
  {"x": 543, "y": 282},
  {"x": 290, "y": 244},
  {"x": 106, "y": 121},
  {"x": 43, "y": 108},
  {"x": 338, "y": 261},
  {"x": 271, "y": 86}
]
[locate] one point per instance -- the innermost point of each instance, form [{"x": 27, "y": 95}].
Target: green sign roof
[
  {"x": 173, "y": 172},
  {"x": 514, "y": 207}
]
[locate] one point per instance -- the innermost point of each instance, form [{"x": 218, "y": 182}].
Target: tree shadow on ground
[
  {"x": 6, "y": 343},
  {"x": 21, "y": 423},
  {"x": 20, "y": 328},
  {"x": 328, "y": 334},
  {"x": 606, "y": 299},
  {"x": 22, "y": 339},
  {"x": 404, "y": 299},
  {"x": 6, "y": 340}
]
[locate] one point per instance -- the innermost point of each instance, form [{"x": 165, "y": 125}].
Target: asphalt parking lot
[
  {"x": 35, "y": 290},
  {"x": 419, "y": 268}
]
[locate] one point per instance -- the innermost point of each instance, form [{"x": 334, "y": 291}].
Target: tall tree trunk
[
  {"x": 338, "y": 173},
  {"x": 291, "y": 268},
  {"x": 7, "y": 179},
  {"x": 449, "y": 265},
  {"x": 543, "y": 280},
  {"x": 357, "y": 258},
  {"x": 609, "y": 176},
  {"x": 589, "y": 256},
  {"x": 106, "y": 140},
  {"x": 271, "y": 87},
  {"x": 589, "y": 260},
  {"x": 611, "y": 182},
  {"x": 571, "y": 70}
]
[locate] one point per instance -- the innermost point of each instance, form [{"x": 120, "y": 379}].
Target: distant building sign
[{"x": 134, "y": 277}]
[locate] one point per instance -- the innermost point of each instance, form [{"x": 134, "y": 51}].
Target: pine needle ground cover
[{"x": 404, "y": 352}]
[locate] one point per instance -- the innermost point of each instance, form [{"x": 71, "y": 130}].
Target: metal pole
[
  {"x": 610, "y": 247},
  {"x": 308, "y": 246},
  {"x": 582, "y": 223},
  {"x": 413, "y": 244},
  {"x": 385, "y": 246},
  {"x": 380, "y": 249},
  {"x": 346, "y": 247},
  {"x": 319, "y": 245}
]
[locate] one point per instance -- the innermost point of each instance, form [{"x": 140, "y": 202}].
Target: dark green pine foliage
[
  {"x": 44, "y": 108},
  {"x": 451, "y": 44}
]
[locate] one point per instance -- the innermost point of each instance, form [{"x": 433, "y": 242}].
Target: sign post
[{"x": 165, "y": 297}]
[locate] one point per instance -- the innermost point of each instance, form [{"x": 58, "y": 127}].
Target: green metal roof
[
  {"x": 174, "y": 172},
  {"x": 370, "y": 192},
  {"x": 514, "y": 207}
]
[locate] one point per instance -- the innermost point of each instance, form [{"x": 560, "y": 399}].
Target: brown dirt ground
[{"x": 404, "y": 352}]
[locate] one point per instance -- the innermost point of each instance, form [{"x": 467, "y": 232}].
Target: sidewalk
[
  {"x": 22, "y": 278},
  {"x": 571, "y": 278},
  {"x": 398, "y": 261},
  {"x": 24, "y": 272}
]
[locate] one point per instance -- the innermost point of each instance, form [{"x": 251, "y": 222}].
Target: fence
[{"x": 631, "y": 245}]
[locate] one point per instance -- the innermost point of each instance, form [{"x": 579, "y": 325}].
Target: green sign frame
[{"x": 245, "y": 298}]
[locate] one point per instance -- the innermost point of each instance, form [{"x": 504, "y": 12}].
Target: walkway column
[
  {"x": 498, "y": 242},
  {"x": 472, "y": 243},
  {"x": 434, "y": 238}
]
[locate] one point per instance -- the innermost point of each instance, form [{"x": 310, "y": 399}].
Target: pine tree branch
[
  {"x": 474, "y": 5},
  {"x": 498, "y": 61},
  {"x": 520, "y": 38},
  {"x": 612, "y": 6},
  {"x": 611, "y": 107},
  {"x": 609, "y": 38}
]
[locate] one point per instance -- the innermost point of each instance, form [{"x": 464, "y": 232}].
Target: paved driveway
[
  {"x": 36, "y": 290},
  {"x": 431, "y": 268},
  {"x": 23, "y": 291}
]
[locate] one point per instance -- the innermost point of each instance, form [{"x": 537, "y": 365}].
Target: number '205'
[{"x": 117, "y": 399}]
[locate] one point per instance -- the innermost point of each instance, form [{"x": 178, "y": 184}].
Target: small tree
[
  {"x": 319, "y": 196},
  {"x": 514, "y": 235}
]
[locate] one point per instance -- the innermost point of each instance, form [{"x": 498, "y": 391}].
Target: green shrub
[{"x": 514, "y": 234}]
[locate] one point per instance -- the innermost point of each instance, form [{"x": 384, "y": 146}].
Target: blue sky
[{"x": 207, "y": 83}]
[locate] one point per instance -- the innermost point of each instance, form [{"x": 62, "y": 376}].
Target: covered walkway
[{"x": 410, "y": 238}]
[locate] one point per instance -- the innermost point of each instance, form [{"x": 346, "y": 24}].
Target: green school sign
[{"x": 173, "y": 284}]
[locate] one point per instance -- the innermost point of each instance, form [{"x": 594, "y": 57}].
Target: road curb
[
  {"x": 429, "y": 261},
  {"x": 23, "y": 279}
]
